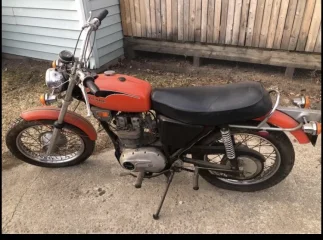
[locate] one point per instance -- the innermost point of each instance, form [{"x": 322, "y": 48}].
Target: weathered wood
[
  {"x": 228, "y": 33},
  {"x": 281, "y": 23},
  {"x": 143, "y": 20},
  {"x": 224, "y": 16},
  {"x": 315, "y": 26},
  {"x": 265, "y": 23},
  {"x": 251, "y": 23},
  {"x": 231, "y": 53},
  {"x": 210, "y": 21},
  {"x": 288, "y": 24},
  {"x": 196, "y": 61},
  {"x": 258, "y": 23},
  {"x": 198, "y": 18},
  {"x": 204, "y": 20},
  {"x": 217, "y": 21},
  {"x": 180, "y": 20},
  {"x": 297, "y": 24},
  {"x": 147, "y": 18},
  {"x": 169, "y": 19},
  {"x": 137, "y": 17},
  {"x": 289, "y": 72},
  {"x": 133, "y": 17},
  {"x": 318, "y": 41},
  {"x": 153, "y": 18},
  {"x": 158, "y": 18},
  {"x": 175, "y": 19},
  {"x": 243, "y": 22},
  {"x": 191, "y": 25},
  {"x": 308, "y": 14},
  {"x": 123, "y": 18},
  {"x": 273, "y": 23},
  {"x": 236, "y": 22},
  {"x": 128, "y": 17},
  {"x": 163, "y": 18},
  {"x": 186, "y": 18}
]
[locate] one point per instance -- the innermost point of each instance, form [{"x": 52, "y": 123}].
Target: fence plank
[
  {"x": 251, "y": 23},
  {"x": 191, "y": 27},
  {"x": 204, "y": 20},
  {"x": 123, "y": 18},
  {"x": 128, "y": 17},
  {"x": 228, "y": 33},
  {"x": 288, "y": 24},
  {"x": 301, "y": 42},
  {"x": 243, "y": 22},
  {"x": 174, "y": 19},
  {"x": 224, "y": 16},
  {"x": 133, "y": 17},
  {"x": 137, "y": 16},
  {"x": 143, "y": 18},
  {"x": 281, "y": 24},
  {"x": 198, "y": 16},
  {"x": 236, "y": 22},
  {"x": 318, "y": 41},
  {"x": 210, "y": 21},
  {"x": 152, "y": 5},
  {"x": 163, "y": 18},
  {"x": 158, "y": 19},
  {"x": 180, "y": 20},
  {"x": 217, "y": 21},
  {"x": 169, "y": 18},
  {"x": 147, "y": 17},
  {"x": 273, "y": 23},
  {"x": 297, "y": 24},
  {"x": 265, "y": 23},
  {"x": 315, "y": 26},
  {"x": 258, "y": 22},
  {"x": 186, "y": 18}
]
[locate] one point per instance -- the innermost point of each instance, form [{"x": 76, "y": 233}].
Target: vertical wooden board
[
  {"x": 133, "y": 17},
  {"x": 258, "y": 22},
  {"x": 191, "y": 27},
  {"x": 306, "y": 23},
  {"x": 210, "y": 21},
  {"x": 273, "y": 23},
  {"x": 280, "y": 24},
  {"x": 123, "y": 18},
  {"x": 143, "y": 18},
  {"x": 236, "y": 22},
  {"x": 198, "y": 18},
  {"x": 137, "y": 16},
  {"x": 204, "y": 20},
  {"x": 243, "y": 22},
  {"x": 128, "y": 17},
  {"x": 180, "y": 20},
  {"x": 300, "y": 9},
  {"x": 217, "y": 21},
  {"x": 224, "y": 16},
  {"x": 228, "y": 33},
  {"x": 158, "y": 19},
  {"x": 169, "y": 19},
  {"x": 251, "y": 23},
  {"x": 318, "y": 41},
  {"x": 314, "y": 28},
  {"x": 265, "y": 23},
  {"x": 147, "y": 17},
  {"x": 288, "y": 24},
  {"x": 186, "y": 18},
  {"x": 152, "y": 10},
  {"x": 174, "y": 19},
  {"x": 163, "y": 18}
]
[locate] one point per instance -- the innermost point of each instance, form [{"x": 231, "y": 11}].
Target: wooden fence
[{"x": 293, "y": 25}]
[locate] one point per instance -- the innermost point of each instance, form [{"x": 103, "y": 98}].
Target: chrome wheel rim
[
  {"x": 33, "y": 141},
  {"x": 255, "y": 142}
]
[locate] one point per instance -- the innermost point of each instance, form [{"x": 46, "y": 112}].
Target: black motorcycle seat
[{"x": 212, "y": 105}]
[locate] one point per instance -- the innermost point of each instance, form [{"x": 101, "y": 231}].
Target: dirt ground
[{"x": 23, "y": 82}]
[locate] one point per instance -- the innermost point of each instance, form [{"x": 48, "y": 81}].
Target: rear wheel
[
  {"x": 274, "y": 148},
  {"x": 29, "y": 140}
]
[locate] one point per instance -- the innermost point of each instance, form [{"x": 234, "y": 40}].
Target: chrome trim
[
  {"x": 272, "y": 110},
  {"x": 310, "y": 128},
  {"x": 299, "y": 113},
  {"x": 268, "y": 128}
]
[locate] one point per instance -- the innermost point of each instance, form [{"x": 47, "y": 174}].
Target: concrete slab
[{"x": 93, "y": 198}]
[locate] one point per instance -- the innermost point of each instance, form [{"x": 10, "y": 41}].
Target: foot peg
[{"x": 196, "y": 179}]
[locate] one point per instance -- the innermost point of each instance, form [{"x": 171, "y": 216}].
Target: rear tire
[
  {"x": 287, "y": 155},
  {"x": 20, "y": 124}
]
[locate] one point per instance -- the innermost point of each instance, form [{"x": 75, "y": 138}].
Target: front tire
[
  {"x": 20, "y": 149},
  {"x": 285, "y": 149}
]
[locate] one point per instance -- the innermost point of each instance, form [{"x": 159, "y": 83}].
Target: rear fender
[
  {"x": 52, "y": 113},
  {"x": 282, "y": 120}
]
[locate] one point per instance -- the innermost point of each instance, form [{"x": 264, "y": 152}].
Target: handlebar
[
  {"x": 102, "y": 15},
  {"x": 89, "y": 83}
]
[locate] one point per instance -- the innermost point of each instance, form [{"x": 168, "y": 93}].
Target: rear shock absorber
[{"x": 228, "y": 144}]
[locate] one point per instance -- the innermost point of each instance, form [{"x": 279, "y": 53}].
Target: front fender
[{"x": 52, "y": 113}]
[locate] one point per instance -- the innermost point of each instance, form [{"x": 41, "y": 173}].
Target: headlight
[{"x": 54, "y": 80}]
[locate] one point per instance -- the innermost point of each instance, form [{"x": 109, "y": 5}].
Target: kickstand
[{"x": 170, "y": 179}]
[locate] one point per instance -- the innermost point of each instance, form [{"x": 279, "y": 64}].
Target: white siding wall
[{"x": 40, "y": 28}]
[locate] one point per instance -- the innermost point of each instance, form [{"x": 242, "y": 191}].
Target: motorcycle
[{"x": 233, "y": 136}]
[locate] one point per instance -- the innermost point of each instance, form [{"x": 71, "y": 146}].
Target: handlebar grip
[
  {"x": 89, "y": 83},
  {"x": 102, "y": 15}
]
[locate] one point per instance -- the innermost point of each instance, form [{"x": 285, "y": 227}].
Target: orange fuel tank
[{"x": 122, "y": 93}]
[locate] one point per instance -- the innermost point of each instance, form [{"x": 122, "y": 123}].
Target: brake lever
[{"x": 81, "y": 86}]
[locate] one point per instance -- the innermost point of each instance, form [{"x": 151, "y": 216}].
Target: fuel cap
[{"x": 109, "y": 73}]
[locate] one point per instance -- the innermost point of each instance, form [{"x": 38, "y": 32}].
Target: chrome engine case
[{"x": 147, "y": 159}]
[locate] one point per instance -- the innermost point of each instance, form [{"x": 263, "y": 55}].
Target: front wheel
[
  {"x": 29, "y": 140},
  {"x": 275, "y": 149}
]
